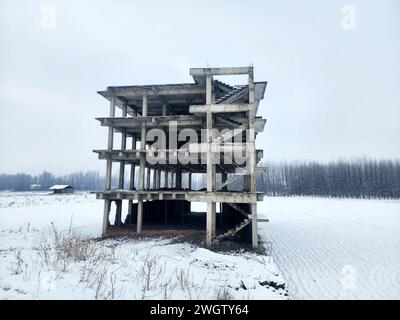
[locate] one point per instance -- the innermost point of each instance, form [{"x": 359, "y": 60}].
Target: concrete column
[
  {"x": 110, "y": 145},
  {"x": 252, "y": 160},
  {"x": 154, "y": 186},
  {"x": 107, "y": 186},
  {"x": 118, "y": 214},
  {"x": 175, "y": 180},
  {"x": 164, "y": 113},
  {"x": 211, "y": 215},
  {"x": 139, "y": 222},
  {"x": 166, "y": 179},
  {"x": 158, "y": 178},
  {"x": 142, "y": 166},
  {"x": 132, "y": 178},
  {"x": 211, "y": 208},
  {"x": 107, "y": 207},
  {"x": 178, "y": 176},
  {"x": 190, "y": 181},
  {"x": 121, "y": 180},
  {"x": 123, "y": 147},
  {"x": 143, "y": 147},
  {"x": 148, "y": 172}
]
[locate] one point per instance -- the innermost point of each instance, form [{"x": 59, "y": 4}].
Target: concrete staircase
[
  {"x": 232, "y": 93},
  {"x": 239, "y": 209},
  {"x": 228, "y": 181},
  {"x": 223, "y": 86},
  {"x": 230, "y": 134},
  {"x": 233, "y": 231},
  {"x": 228, "y": 121}
]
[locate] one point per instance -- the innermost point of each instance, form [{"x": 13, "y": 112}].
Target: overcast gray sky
[{"x": 333, "y": 90}]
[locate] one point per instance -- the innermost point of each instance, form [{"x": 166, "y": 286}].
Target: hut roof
[{"x": 60, "y": 187}]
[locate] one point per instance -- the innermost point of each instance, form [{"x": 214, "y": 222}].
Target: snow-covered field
[
  {"x": 43, "y": 257},
  {"x": 335, "y": 248},
  {"x": 325, "y": 248}
]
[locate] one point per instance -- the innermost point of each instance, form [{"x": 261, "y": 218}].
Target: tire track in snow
[{"x": 327, "y": 252}]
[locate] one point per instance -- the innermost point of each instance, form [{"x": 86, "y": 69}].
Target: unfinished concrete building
[{"x": 221, "y": 123}]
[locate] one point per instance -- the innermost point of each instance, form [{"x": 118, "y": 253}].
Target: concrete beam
[
  {"x": 223, "y": 108},
  {"x": 165, "y": 90},
  {"x": 220, "y": 71},
  {"x": 152, "y": 121},
  {"x": 196, "y": 196}
]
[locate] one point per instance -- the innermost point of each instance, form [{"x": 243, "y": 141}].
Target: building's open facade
[{"x": 218, "y": 125}]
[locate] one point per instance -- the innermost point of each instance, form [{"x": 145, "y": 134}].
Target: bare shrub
[
  {"x": 188, "y": 285},
  {"x": 183, "y": 278},
  {"x": 223, "y": 294},
  {"x": 149, "y": 273},
  {"x": 61, "y": 251},
  {"x": 17, "y": 268}
]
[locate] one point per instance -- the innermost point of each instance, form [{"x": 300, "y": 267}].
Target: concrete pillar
[
  {"x": 123, "y": 147},
  {"x": 110, "y": 145},
  {"x": 118, "y": 214},
  {"x": 107, "y": 186},
  {"x": 211, "y": 208},
  {"x": 164, "y": 113},
  {"x": 132, "y": 178},
  {"x": 190, "y": 181},
  {"x": 107, "y": 207},
  {"x": 139, "y": 222},
  {"x": 178, "y": 176},
  {"x": 252, "y": 160},
  {"x": 154, "y": 186},
  {"x": 142, "y": 166},
  {"x": 148, "y": 172},
  {"x": 158, "y": 178},
  {"x": 121, "y": 180},
  {"x": 166, "y": 182}
]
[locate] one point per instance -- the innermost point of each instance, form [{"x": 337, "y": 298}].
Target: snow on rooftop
[{"x": 60, "y": 186}]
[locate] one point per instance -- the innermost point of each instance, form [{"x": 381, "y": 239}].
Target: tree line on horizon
[
  {"x": 363, "y": 178},
  {"x": 90, "y": 180}
]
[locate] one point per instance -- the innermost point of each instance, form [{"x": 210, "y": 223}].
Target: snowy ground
[
  {"x": 42, "y": 257},
  {"x": 325, "y": 248},
  {"x": 333, "y": 248}
]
